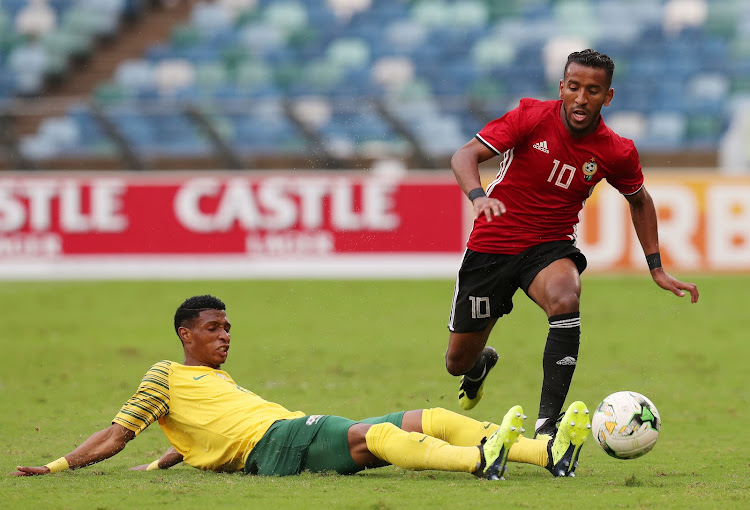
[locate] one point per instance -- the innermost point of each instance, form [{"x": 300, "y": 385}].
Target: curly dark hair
[
  {"x": 192, "y": 307},
  {"x": 592, "y": 58}
]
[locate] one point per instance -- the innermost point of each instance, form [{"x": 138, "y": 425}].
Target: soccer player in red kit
[{"x": 554, "y": 153}]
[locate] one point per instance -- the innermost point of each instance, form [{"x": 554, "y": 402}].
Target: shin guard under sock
[
  {"x": 415, "y": 451},
  {"x": 559, "y": 362}
]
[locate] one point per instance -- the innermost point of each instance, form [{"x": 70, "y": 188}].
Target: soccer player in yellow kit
[{"x": 215, "y": 424}]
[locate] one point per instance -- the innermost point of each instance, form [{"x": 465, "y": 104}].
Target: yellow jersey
[{"x": 208, "y": 418}]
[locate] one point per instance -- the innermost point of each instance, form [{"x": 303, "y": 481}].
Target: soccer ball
[{"x": 626, "y": 425}]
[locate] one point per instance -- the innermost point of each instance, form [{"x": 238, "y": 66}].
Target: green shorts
[{"x": 313, "y": 443}]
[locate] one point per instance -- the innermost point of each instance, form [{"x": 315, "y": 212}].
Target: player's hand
[
  {"x": 678, "y": 288},
  {"x": 30, "y": 471},
  {"x": 142, "y": 467},
  {"x": 488, "y": 206}
]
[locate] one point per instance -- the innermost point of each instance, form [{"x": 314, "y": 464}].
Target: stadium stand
[{"x": 342, "y": 83}]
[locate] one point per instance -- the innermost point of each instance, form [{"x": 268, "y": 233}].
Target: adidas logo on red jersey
[{"x": 541, "y": 146}]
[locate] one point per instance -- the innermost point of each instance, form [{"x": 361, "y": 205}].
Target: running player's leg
[
  {"x": 472, "y": 318},
  {"x": 482, "y": 294},
  {"x": 464, "y": 353},
  {"x": 557, "y": 290},
  {"x": 483, "y": 358}
]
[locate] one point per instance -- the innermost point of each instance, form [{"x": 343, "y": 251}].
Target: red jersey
[{"x": 546, "y": 176}]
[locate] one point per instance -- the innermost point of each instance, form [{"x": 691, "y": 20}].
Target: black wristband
[
  {"x": 476, "y": 193},
  {"x": 653, "y": 261}
]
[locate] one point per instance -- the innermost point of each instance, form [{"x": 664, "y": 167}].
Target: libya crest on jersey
[{"x": 589, "y": 169}]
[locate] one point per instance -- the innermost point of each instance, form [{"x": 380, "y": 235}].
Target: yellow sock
[
  {"x": 455, "y": 428},
  {"x": 411, "y": 450},
  {"x": 529, "y": 451},
  {"x": 460, "y": 430}
]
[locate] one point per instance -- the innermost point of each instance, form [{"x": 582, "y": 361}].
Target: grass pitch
[{"x": 73, "y": 352}]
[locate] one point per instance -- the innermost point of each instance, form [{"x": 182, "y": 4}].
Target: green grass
[{"x": 73, "y": 352}]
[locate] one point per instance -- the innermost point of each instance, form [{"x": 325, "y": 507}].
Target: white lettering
[
  {"x": 280, "y": 204},
  {"x": 77, "y": 207},
  {"x": 379, "y": 204},
  {"x": 272, "y": 197},
  {"x": 72, "y": 218},
  {"x": 554, "y": 169},
  {"x": 106, "y": 203},
  {"x": 311, "y": 192},
  {"x": 237, "y": 203},
  {"x": 571, "y": 170},
  {"x": 728, "y": 227},
  {"x": 12, "y": 212},
  {"x": 676, "y": 228},
  {"x": 187, "y": 204},
  {"x": 343, "y": 216},
  {"x": 290, "y": 243},
  {"x": 30, "y": 245},
  {"x": 40, "y": 193},
  {"x": 480, "y": 307}
]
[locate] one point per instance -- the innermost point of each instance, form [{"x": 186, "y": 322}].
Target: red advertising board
[{"x": 222, "y": 214}]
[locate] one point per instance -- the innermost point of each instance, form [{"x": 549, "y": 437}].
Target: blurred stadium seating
[{"x": 341, "y": 83}]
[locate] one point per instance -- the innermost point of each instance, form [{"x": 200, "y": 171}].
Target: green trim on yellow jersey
[
  {"x": 207, "y": 417},
  {"x": 150, "y": 402}
]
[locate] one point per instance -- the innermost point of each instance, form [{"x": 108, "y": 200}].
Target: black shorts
[{"x": 487, "y": 282}]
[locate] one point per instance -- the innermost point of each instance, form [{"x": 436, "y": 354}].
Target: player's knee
[
  {"x": 358, "y": 448},
  {"x": 565, "y": 302},
  {"x": 412, "y": 420},
  {"x": 458, "y": 363}
]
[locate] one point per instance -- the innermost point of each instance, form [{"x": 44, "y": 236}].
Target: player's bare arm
[
  {"x": 643, "y": 214},
  {"x": 98, "y": 447},
  {"x": 465, "y": 164},
  {"x": 170, "y": 458}
]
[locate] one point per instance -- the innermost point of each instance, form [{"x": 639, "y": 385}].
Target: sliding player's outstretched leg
[
  {"x": 494, "y": 451},
  {"x": 566, "y": 446}
]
